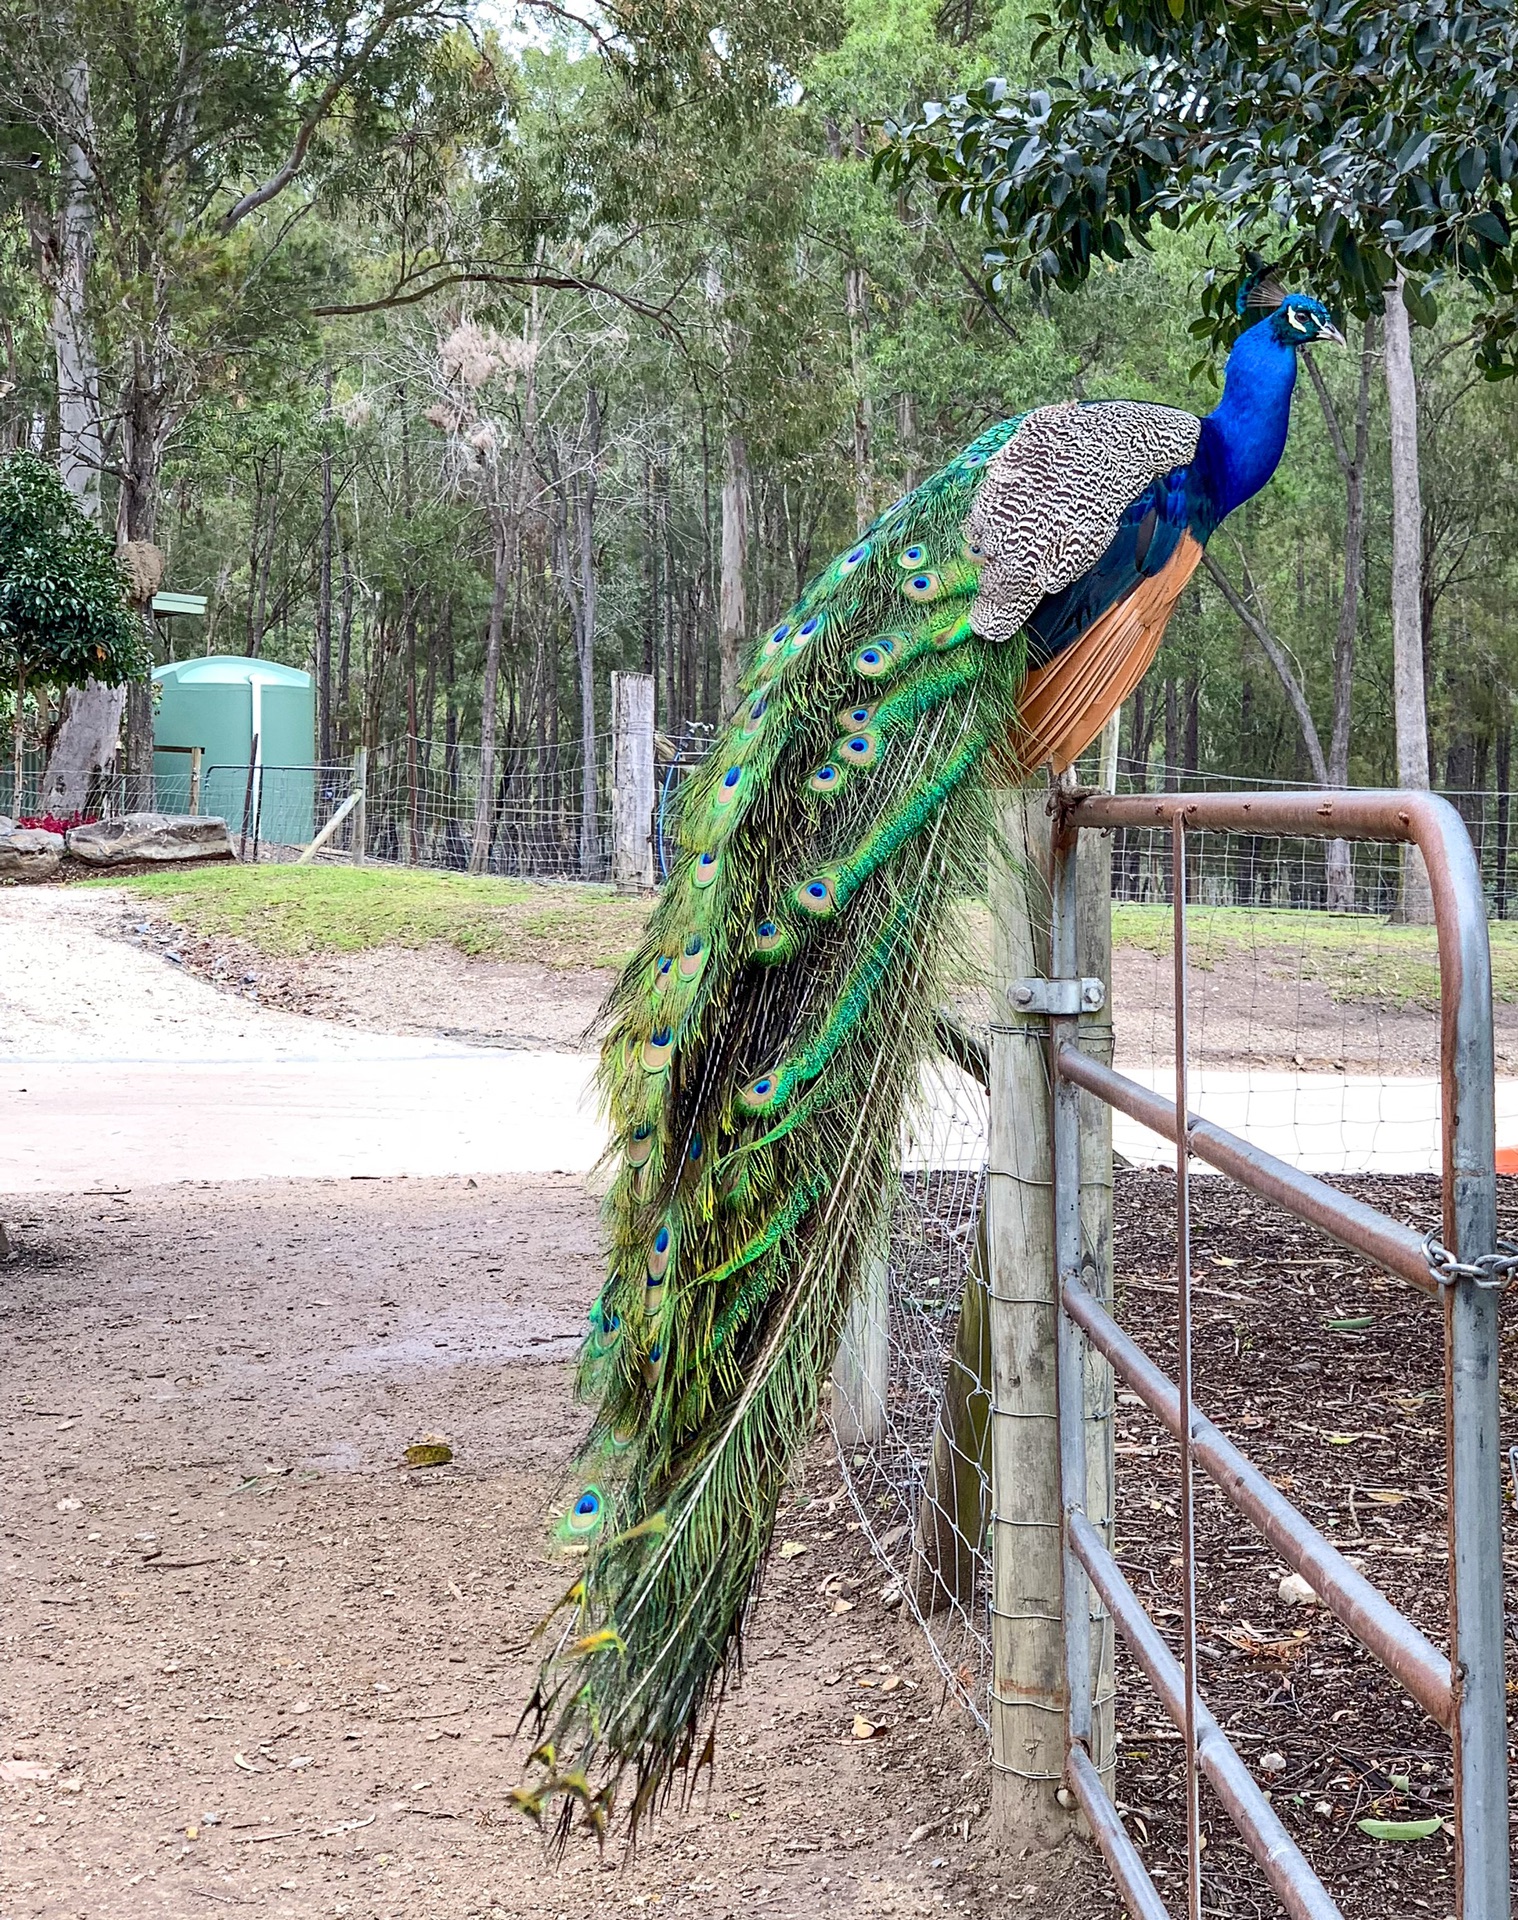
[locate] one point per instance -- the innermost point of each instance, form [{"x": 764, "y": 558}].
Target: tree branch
[
  {"x": 1275, "y": 653},
  {"x": 390, "y": 16},
  {"x": 1330, "y": 417},
  {"x": 402, "y": 295}
]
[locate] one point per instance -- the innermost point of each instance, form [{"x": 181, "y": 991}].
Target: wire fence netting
[
  {"x": 908, "y": 1388},
  {"x": 1314, "y": 1034}
]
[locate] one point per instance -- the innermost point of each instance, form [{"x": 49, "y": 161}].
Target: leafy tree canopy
[
  {"x": 63, "y": 611},
  {"x": 1363, "y": 139}
]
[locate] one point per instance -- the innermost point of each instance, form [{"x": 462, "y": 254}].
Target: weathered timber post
[
  {"x": 861, "y": 1369},
  {"x": 1027, "y": 1653},
  {"x": 361, "y": 811},
  {"x": 1029, "y": 1697},
  {"x": 632, "y": 780},
  {"x": 955, "y": 1504}
]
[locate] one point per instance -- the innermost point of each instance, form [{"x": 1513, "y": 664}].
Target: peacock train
[{"x": 763, "y": 1040}]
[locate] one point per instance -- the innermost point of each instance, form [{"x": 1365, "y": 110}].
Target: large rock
[
  {"x": 29, "y": 853},
  {"x": 151, "y": 836}
]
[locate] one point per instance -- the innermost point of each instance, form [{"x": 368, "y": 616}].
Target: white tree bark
[
  {"x": 1406, "y": 585},
  {"x": 91, "y": 721},
  {"x": 732, "y": 617}
]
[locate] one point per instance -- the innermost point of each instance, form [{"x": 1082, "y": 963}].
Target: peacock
[{"x": 763, "y": 1042}]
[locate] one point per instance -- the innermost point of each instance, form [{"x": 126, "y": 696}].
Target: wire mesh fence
[
  {"x": 539, "y": 813},
  {"x": 912, "y": 1389}
]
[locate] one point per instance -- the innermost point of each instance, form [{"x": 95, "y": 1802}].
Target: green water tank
[{"x": 222, "y": 704}]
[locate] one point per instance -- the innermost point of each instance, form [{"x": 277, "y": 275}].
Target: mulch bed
[{"x": 1329, "y": 1375}]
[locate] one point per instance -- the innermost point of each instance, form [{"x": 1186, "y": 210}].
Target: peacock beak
[{"x": 1331, "y": 332}]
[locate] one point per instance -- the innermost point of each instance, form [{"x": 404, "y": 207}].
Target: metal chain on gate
[{"x": 1490, "y": 1270}]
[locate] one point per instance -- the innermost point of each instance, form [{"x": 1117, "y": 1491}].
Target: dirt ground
[
  {"x": 254, "y": 1665},
  {"x": 1329, "y": 1375},
  {"x": 1249, "y": 1009}
]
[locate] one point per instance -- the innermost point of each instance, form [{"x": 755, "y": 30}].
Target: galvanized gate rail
[{"x": 1466, "y": 1693}]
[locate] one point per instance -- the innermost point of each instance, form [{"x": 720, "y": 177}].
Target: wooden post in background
[
  {"x": 632, "y": 780},
  {"x": 1027, "y": 1676},
  {"x": 197, "y": 755},
  {"x": 361, "y": 811},
  {"x": 862, "y": 1368}
]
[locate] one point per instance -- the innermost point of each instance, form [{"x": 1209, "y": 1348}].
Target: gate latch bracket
[{"x": 1063, "y": 999}]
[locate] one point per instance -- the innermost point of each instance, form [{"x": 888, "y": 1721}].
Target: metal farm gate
[{"x": 1465, "y": 1694}]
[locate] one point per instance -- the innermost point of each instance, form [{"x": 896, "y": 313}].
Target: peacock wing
[{"x": 1053, "y": 497}]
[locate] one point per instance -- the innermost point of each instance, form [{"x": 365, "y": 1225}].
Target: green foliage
[
  {"x": 1358, "y": 140},
  {"x": 63, "y": 612}
]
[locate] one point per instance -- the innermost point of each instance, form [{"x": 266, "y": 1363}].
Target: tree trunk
[
  {"x": 324, "y": 744},
  {"x": 1406, "y": 587},
  {"x": 87, "y": 734},
  {"x": 1504, "y": 802},
  {"x": 479, "y": 852},
  {"x": 585, "y": 634},
  {"x": 1172, "y": 737},
  {"x": 732, "y": 622},
  {"x": 1352, "y": 464},
  {"x": 864, "y": 486},
  {"x": 345, "y": 651}
]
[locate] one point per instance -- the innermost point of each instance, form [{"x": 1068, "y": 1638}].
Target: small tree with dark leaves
[{"x": 64, "y": 616}]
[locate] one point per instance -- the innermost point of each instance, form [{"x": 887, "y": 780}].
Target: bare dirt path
[{"x": 258, "y": 1668}]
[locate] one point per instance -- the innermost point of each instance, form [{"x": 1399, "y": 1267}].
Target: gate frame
[{"x": 1465, "y": 1694}]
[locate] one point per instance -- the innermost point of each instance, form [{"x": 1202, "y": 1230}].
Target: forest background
[{"x": 466, "y": 354}]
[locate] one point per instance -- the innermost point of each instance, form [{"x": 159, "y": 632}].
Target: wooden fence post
[
  {"x": 361, "y": 811},
  {"x": 862, "y": 1367},
  {"x": 197, "y": 755},
  {"x": 632, "y": 780},
  {"x": 1027, "y": 1689}
]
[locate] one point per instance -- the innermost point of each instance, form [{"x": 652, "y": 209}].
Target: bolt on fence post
[{"x": 1027, "y": 1642}]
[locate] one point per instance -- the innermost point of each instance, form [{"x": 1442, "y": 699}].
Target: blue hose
[{"x": 664, "y": 792}]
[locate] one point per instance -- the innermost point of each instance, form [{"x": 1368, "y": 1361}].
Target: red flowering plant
[{"x": 57, "y": 822}]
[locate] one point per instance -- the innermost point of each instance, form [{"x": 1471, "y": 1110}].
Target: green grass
[
  {"x": 1352, "y": 957},
  {"x": 333, "y": 909}
]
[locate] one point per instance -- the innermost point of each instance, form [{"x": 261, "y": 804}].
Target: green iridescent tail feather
[{"x": 763, "y": 1045}]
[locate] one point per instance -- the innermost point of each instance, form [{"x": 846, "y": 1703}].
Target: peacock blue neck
[{"x": 1244, "y": 436}]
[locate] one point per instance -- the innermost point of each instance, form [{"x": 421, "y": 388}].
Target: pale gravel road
[{"x": 118, "y": 1069}]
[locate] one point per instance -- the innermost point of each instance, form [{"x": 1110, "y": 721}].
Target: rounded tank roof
[{"x": 231, "y": 670}]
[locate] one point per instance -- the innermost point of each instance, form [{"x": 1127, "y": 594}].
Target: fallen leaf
[
  {"x": 1385, "y": 1496},
  {"x": 867, "y": 1729},
  {"x": 890, "y": 1683},
  {"x": 432, "y": 1450},
  {"x": 843, "y": 1606},
  {"x": 790, "y": 1548},
  {"x": 1401, "y": 1829}
]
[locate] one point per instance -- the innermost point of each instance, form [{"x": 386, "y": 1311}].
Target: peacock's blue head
[{"x": 1299, "y": 320}]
